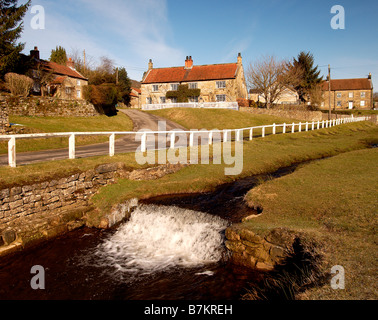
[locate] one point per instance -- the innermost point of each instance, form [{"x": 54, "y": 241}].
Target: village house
[
  {"x": 212, "y": 83},
  {"x": 348, "y": 93},
  {"x": 61, "y": 81},
  {"x": 287, "y": 96}
]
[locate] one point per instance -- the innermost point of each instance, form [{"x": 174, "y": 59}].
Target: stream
[{"x": 172, "y": 248}]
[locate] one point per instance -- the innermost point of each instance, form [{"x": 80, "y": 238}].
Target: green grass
[
  {"x": 335, "y": 201},
  {"x": 120, "y": 122},
  {"x": 218, "y": 118},
  {"x": 260, "y": 156}
]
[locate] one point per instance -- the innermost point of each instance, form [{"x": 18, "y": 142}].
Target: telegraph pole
[
  {"x": 84, "y": 59},
  {"x": 329, "y": 91}
]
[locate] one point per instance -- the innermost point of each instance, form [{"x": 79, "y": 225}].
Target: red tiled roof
[
  {"x": 196, "y": 73},
  {"x": 61, "y": 69},
  {"x": 59, "y": 80},
  {"x": 348, "y": 84}
]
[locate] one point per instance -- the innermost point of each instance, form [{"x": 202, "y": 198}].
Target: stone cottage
[
  {"x": 61, "y": 81},
  {"x": 348, "y": 93},
  {"x": 216, "y": 82}
]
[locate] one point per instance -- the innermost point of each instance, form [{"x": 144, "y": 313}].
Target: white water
[{"x": 159, "y": 237}]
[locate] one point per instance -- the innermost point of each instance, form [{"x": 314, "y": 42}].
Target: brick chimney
[
  {"x": 369, "y": 76},
  {"x": 150, "y": 65},
  {"x": 188, "y": 62},
  {"x": 70, "y": 63},
  {"x": 34, "y": 53}
]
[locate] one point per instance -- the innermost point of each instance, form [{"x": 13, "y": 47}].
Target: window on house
[
  {"x": 363, "y": 94},
  {"x": 193, "y": 85},
  {"x": 148, "y": 100},
  {"x": 338, "y": 95},
  {"x": 78, "y": 82},
  {"x": 68, "y": 91},
  {"x": 221, "y": 84},
  {"x": 221, "y": 97},
  {"x": 174, "y": 86},
  {"x": 362, "y": 103},
  {"x": 155, "y": 88},
  {"x": 162, "y": 99},
  {"x": 193, "y": 99},
  {"x": 350, "y": 94},
  {"x": 338, "y": 103},
  {"x": 174, "y": 100},
  {"x": 78, "y": 93}
]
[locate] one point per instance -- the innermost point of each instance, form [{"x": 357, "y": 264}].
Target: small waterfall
[{"x": 159, "y": 237}]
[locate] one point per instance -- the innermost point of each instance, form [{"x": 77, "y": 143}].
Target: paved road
[{"x": 141, "y": 120}]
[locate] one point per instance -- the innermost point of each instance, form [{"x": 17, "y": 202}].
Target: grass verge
[
  {"x": 333, "y": 201},
  {"x": 218, "y": 118}
]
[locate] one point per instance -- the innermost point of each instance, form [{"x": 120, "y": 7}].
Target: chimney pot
[
  {"x": 34, "y": 53},
  {"x": 70, "y": 63},
  {"x": 188, "y": 62}
]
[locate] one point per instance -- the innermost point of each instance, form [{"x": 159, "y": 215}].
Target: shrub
[
  {"x": 104, "y": 97},
  {"x": 19, "y": 85},
  {"x": 243, "y": 102}
]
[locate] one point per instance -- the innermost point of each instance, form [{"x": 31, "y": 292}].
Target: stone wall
[
  {"x": 35, "y": 212},
  {"x": 4, "y": 120},
  {"x": 47, "y": 107},
  {"x": 258, "y": 252},
  {"x": 292, "y": 114},
  {"x": 42, "y": 210}
]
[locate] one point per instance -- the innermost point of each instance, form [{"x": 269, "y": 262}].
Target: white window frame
[
  {"x": 155, "y": 88},
  {"x": 148, "y": 100},
  {"x": 78, "y": 82},
  {"x": 362, "y": 103},
  {"x": 350, "y": 94},
  {"x": 174, "y": 86},
  {"x": 173, "y": 100},
  {"x": 221, "y": 97},
  {"x": 338, "y": 95},
  {"x": 78, "y": 93},
  {"x": 363, "y": 94},
  {"x": 162, "y": 100},
  {"x": 221, "y": 84},
  {"x": 193, "y": 85},
  {"x": 338, "y": 103}
]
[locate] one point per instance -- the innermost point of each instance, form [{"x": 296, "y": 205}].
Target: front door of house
[{"x": 350, "y": 105}]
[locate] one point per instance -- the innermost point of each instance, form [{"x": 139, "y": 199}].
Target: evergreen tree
[
  {"x": 11, "y": 26},
  {"x": 309, "y": 74},
  {"x": 59, "y": 55},
  {"x": 124, "y": 86}
]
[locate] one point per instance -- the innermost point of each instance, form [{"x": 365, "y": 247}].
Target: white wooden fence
[
  {"x": 205, "y": 105},
  {"x": 226, "y": 134}
]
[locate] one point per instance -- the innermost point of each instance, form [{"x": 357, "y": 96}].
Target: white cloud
[{"x": 129, "y": 32}]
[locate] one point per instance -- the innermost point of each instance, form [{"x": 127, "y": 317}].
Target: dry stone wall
[
  {"x": 292, "y": 114},
  {"x": 47, "y": 107}
]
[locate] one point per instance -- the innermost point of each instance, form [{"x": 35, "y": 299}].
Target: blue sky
[{"x": 132, "y": 32}]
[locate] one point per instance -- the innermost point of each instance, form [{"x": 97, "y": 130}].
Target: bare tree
[{"x": 267, "y": 76}]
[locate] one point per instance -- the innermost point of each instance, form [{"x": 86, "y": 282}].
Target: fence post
[
  {"x": 111, "y": 145},
  {"x": 274, "y": 128},
  {"x": 263, "y": 132},
  {"x": 250, "y": 134},
  {"x": 318, "y": 125},
  {"x": 323, "y": 124},
  {"x": 225, "y": 135},
  {"x": 312, "y": 125},
  {"x": 210, "y": 137},
  {"x": 191, "y": 139},
  {"x": 300, "y": 127},
  {"x": 284, "y": 128},
  {"x": 71, "y": 146},
  {"x": 306, "y": 126},
  {"x": 143, "y": 142},
  {"x": 173, "y": 138},
  {"x": 293, "y": 128},
  {"x": 238, "y": 135},
  {"x": 12, "y": 152}
]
